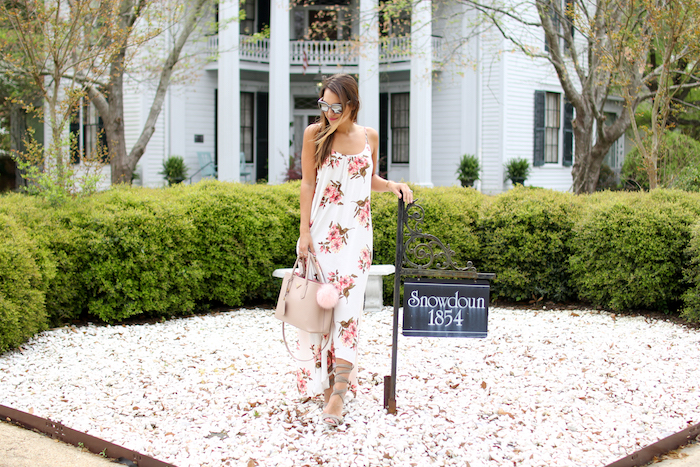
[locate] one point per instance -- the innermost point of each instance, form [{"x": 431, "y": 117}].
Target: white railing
[
  {"x": 213, "y": 44},
  {"x": 323, "y": 53},
  {"x": 438, "y": 49},
  {"x": 391, "y": 50},
  {"x": 395, "y": 49},
  {"x": 398, "y": 49},
  {"x": 254, "y": 50}
]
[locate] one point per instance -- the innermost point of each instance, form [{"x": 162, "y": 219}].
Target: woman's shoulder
[
  {"x": 372, "y": 134},
  {"x": 312, "y": 129}
]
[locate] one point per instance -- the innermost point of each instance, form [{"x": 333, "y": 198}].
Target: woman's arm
[
  {"x": 308, "y": 186},
  {"x": 401, "y": 190}
]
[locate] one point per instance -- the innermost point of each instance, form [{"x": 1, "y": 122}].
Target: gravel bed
[{"x": 564, "y": 388}]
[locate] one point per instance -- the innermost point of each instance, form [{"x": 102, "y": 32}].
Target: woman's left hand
[{"x": 402, "y": 191}]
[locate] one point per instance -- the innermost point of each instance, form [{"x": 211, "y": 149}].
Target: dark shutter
[
  {"x": 383, "y": 134},
  {"x": 261, "y": 127},
  {"x": 568, "y": 134},
  {"x": 538, "y": 156}
]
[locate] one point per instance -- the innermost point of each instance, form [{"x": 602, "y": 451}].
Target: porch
[{"x": 392, "y": 50}]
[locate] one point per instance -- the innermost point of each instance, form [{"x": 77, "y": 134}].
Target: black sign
[{"x": 445, "y": 308}]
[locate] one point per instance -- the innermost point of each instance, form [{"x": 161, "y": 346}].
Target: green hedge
[
  {"x": 244, "y": 232},
  {"x": 691, "y": 297},
  {"x": 25, "y": 273},
  {"x": 629, "y": 249},
  {"x": 526, "y": 237},
  {"x": 141, "y": 246},
  {"x": 163, "y": 252}
]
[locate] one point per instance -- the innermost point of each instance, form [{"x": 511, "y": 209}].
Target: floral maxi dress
[{"x": 341, "y": 229}]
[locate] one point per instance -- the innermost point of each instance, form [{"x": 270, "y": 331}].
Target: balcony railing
[
  {"x": 323, "y": 53},
  {"x": 391, "y": 50}
]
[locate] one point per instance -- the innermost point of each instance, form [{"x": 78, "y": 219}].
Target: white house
[{"x": 248, "y": 109}]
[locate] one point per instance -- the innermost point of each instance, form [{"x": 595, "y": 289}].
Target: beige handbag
[{"x": 298, "y": 302}]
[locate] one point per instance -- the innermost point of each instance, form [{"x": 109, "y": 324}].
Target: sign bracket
[{"x": 419, "y": 254}]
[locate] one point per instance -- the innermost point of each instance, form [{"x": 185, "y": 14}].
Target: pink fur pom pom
[{"x": 327, "y": 296}]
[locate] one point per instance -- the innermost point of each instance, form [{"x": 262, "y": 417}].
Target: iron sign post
[{"x": 426, "y": 258}]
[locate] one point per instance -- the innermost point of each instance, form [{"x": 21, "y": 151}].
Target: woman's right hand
[{"x": 306, "y": 245}]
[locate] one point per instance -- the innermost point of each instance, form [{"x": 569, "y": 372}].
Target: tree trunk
[
  {"x": 113, "y": 117},
  {"x": 588, "y": 156},
  {"x": 122, "y": 163}
]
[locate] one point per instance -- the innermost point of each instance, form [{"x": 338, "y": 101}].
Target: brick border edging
[{"x": 77, "y": 438}]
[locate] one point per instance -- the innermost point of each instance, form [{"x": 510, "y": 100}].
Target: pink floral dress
[{"x": 341, "y": 228}]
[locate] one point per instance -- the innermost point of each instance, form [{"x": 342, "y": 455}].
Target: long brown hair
[{"x": 345, "y": 87}]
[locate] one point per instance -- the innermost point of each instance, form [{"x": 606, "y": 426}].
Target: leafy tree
[
  {"x": 673, "y": 37},
  {"x": 587, "y": 44},
  {"x": 81, "y": 48},
  {"x": 108, "y": 96},
  {"x": 599, "y": 49},
  {"x": 53, "y": 46}
]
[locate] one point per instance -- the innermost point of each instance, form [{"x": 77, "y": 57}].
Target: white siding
[
  {"x": 199, "y": 120},
  {"x": 492, "y": 70},
  {"x": 447, "y": 130},
  {"x": 454, "y": 97},
  {"x": 533, "y": 75}
]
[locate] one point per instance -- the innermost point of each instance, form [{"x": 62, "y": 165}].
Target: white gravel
[{"x": 565, "y": 388}]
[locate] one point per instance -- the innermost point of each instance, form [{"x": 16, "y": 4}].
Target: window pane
[
  {"x": 323, "y": 25},
  {"x": 552, "y": 123},
  {"x": 306, "y": 103},
  {"x": 247, "y": 25},
  {"x": 400, "y": 134},
  {"x": 299, "y": 24},
  {"x": 247, "y": 115}
]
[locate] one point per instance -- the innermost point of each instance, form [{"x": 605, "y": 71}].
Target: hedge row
[{"x": 139, "y": 252}]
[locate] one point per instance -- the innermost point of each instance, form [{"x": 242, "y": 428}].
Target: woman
[{"x": 339, "y": 165}]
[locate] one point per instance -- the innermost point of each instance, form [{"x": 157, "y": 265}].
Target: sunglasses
[{"x": 325, "y": 107}]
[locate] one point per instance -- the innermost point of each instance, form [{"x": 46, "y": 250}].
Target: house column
[
  {"x": 279, "y": 114},
  {"x": 421, "y": 121},
  {"x": 229, "y": 95},
  {"x": 369, "y": 65}
]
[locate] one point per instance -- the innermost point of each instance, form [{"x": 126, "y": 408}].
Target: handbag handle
[
  {"x": 309, "y": 260},
  {"x": 284, "y": 337}
]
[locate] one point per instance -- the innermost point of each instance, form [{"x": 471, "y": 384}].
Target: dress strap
[{"x": 366, "y": 138}]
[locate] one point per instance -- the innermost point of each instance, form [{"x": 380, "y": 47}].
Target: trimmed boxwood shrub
[
  {"x": 243, "y": 233},
  {"x": 52, "y": 229},
  {"x": 628, "y": 252},
  {"x": 141, "y": 245},
  {"x": 691, "y": 297},
  {"x": 25, "y": 272},
  {"x": 162, "y": 252},
  {"x": 525, "y": 237}
]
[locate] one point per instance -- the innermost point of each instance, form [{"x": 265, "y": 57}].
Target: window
[
  {"x": 322, "y": 20},
  {"x": 247, "y": 116},
  {"x": 552, "y": 118},
  {"x": 548, "y": 129},
  {"x": 394, "y": 19},
  {"x": 400, "y": 118},
  {"x": 306, "y": 103},
  {"x": 247, "y": 24},
  {"x": 89, "y": 138},
  {"x": 561, "y": 17},
  {"x": 612, "y": 158}
]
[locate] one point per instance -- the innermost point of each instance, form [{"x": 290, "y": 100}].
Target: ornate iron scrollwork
[{"x": 425, "y": 251}]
